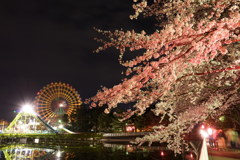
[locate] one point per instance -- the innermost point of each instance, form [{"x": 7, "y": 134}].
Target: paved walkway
[{"x": 215, "y": 154}]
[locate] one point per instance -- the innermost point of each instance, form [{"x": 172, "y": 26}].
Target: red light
[
  {"x": 162, "y": 153},
  {"x": 202, "y": 126},
  {"x": 130, "y": 128},
  {"x": 191, "y": 155}
]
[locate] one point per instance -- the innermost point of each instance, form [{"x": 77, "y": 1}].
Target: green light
[{"x": 222, "y": 118}]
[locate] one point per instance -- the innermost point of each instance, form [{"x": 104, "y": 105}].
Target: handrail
[{"x": 126, "y": 134}]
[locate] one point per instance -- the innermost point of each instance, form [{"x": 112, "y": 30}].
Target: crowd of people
[{"x": 224, "y": 139}]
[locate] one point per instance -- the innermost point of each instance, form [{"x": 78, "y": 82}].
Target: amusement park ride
[
  {"x": 56, "y": 100},
  {"x": 28, "y": 122},
  {"x": 52, "y": 104}
]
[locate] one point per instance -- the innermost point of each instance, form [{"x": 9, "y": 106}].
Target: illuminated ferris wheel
[{"x": 56, "y": 100}]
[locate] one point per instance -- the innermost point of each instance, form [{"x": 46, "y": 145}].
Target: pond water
[{"x": 88, "y": 152}]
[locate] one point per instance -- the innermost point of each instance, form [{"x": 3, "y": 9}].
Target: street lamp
[{"x": 204, "y": 134}]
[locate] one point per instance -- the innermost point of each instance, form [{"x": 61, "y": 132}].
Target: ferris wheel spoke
[
  {"x": 47, "y": 115},
  {"x": 44, "y": 95},
  {"x": 47, "y": 92},
  {"x": 42, "y": 101},
  {"x": 44, "y": 109},
  {"x": 52, "y": 116},
  {"x": 43, "y": 105},
  {"x": 44, "y": 112}
]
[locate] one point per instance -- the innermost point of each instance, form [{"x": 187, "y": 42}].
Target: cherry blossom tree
[{"x": 189, "y": 68}]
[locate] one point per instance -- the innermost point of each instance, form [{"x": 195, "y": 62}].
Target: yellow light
[{"x": 222, "y": 118}]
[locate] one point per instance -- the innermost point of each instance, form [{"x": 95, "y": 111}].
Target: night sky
[{"x": 44, "y": 41}]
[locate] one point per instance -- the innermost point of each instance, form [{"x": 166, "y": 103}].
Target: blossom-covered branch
[{"x": 193, "y": 53}]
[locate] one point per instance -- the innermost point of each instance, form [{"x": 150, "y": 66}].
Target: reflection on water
[
  {"x": 25, "y": 153},
  {"x": 91, "y": 152}
]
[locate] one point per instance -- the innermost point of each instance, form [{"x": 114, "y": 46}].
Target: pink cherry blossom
[{"x": 188, "y": 67}]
